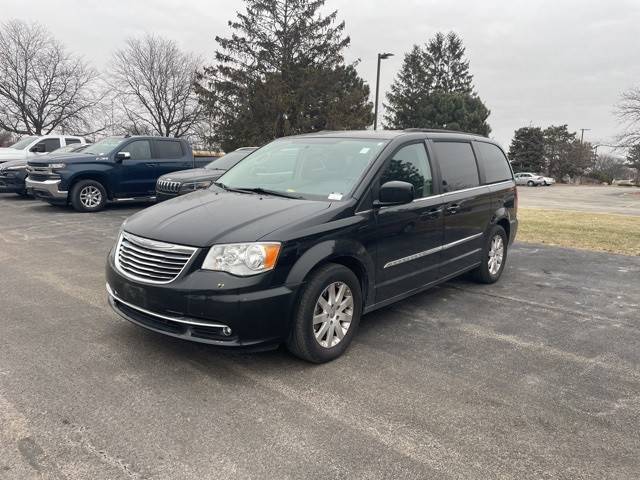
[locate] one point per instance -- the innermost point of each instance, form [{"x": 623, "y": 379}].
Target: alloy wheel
[
  {"x": 332, "y": 314},
  {"x": 496, "y": 254},
  {"x": 90, "y": 196}
]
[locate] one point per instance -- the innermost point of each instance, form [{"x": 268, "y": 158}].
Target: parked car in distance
[
  {"x": 548, "y": 181},
  {"x": 28, "y": 147},
  {"x": 111, "y": 170},
  {"x": 186, "y": 181},
  {"x": 302, "y": 237},
  {"x": 529, "y": 179},
  {"x": 13, "y": 174}
]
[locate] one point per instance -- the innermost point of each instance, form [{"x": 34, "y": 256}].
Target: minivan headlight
[{"x": 242, "y": 259}]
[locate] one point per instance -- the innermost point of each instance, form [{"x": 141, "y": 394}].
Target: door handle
[
  {"x": 453, "y": 208},
  {"x": 433, "y": 213}
]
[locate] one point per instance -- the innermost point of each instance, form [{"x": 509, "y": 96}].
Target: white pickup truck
[{"x": 31, "y": 146}]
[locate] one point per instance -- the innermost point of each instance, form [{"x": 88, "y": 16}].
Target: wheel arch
[{"x": 100, "y": 177}]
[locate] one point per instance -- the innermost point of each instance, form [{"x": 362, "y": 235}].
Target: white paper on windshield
[{"x": 335, "y": 196}]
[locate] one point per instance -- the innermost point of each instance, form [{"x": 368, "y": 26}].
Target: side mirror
[
  {"x": 38, "y": 148},
  {"x": 395, "y": 193},
  {"x": 120, "y": 156}
]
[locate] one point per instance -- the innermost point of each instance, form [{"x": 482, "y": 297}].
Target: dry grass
[{"x": 589, "y": 231}]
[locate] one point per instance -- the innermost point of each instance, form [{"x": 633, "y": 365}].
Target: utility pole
[
  {"x": 582, "y": 130},
  {"x": 381, "y": 56}
]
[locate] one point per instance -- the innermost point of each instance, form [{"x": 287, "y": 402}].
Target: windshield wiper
[{"x": 266, "y": 191}]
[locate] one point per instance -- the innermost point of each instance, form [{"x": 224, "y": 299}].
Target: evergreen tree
[
  {"x": 633, "y": 160},
  {"x": 282, "y": 72},
  {"x": 434, "y": 89},
  {"x": 526, "y": 151},
  {"x": 565, "y": 154}
]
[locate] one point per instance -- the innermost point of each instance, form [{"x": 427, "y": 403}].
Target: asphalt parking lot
[
  {"x": 584, "y": 198},
  {"x": 537, "y": 376}
]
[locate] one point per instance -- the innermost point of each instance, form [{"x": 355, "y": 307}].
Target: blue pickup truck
[{"x": 111, "y": 170}]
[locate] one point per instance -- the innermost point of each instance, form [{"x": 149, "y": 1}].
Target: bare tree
[
  {"x": 154, "y": 80},
  {"x": 628, "y": 111},
  {"x": 42, "y": 86}
]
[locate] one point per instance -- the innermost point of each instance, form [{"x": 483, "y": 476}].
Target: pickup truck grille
[
  {"x": 168, "y": 187},
  {"x": 40, "y": 174},
  {"x": 150, "y": 261}
]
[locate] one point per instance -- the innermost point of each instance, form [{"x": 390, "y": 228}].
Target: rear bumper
[
  {"x": 513, "y": 230},
  {"x": 47, "y": 190}
]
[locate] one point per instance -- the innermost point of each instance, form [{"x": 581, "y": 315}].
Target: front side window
[
  {"x": 410, "y": 164},
  {"x": 494, "y": 163},
  {"x": 168, "y": 149},
  {"x": 138, "y": 149},
  {"x": 49, "y": 145},
  {"x": 316, "y": 168},
  {"x": 457, "y": 165}
]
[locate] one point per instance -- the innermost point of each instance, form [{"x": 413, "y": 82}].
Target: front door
[
  {"x": 137, "y": 174},
  {"x": 467, "y": 206},
  {"x": 408, "y": 237}
]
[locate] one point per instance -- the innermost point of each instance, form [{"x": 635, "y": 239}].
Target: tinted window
[
  {"x": 411, "y": 164},
  {"x": 72, "y": 140},
  {"x": 139, "y": 150},
  {"x": 50, "y": 144},
  {"x": 228, "y": 161},
  {"x": 457, "y": 165},
  {"x": 168, "y": 149},
  {"x": 494, "y": 163}
]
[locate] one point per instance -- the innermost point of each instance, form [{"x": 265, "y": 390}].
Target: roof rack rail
[{"x": 440, "y": 130}]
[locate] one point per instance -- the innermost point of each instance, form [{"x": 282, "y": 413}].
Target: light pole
[{"x": 381, "y": 56}]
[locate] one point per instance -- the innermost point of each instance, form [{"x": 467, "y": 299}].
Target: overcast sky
[{"x": 534, "y": 62}]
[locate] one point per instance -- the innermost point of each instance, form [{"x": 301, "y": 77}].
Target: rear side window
[
  {"x": 71, "y": 140},
  {"x": 410, "y": 164},
  {"x": 168, "y": 149},
  {"x": 138, "y": 149},
  {"x": 494, "y": 163},
  {"x": 457, "y": 165}
]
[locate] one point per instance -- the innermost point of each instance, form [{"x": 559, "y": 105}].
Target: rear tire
[
  {"x": 494, "y": 256},
  {"x": 327, "y": 316},
  {"x": 88, "y": 196}
]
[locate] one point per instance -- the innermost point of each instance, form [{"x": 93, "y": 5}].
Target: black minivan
[{"x": 300, "y": 239}]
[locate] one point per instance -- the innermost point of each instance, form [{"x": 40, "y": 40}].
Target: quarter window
[
  {"x": 457, "y": 165},
  {"x": 138, "y": 149},
  {"x": 494, "y": 163},
  {"x": 168, "y": 149},
  {"x": 411, "y": 164}
]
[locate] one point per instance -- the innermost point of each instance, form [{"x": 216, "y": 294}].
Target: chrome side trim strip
[
  {"x": 164, "y": 317},
  {"x": 415, "y": 256}
]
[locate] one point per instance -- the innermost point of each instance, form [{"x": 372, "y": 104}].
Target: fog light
[{"x": 226, "y": 331}]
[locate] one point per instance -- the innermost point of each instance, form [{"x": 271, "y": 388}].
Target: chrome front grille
[
  {"x": 151, "y": 261},
  {"x": 168, "y": 187}
]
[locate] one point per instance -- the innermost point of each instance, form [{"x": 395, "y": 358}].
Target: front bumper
[
  {"x": 194, "y": 307},
  {"x": 47, "y": 190},
  {"x": 162, "y": 196},
  {"x": 12, "y": 182}
]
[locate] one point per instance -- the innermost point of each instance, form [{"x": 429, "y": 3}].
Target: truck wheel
[
  {"x": 494, "y": 256},
  {"x": 88, "y": 196},
  {"x": 327, "y": 315}
]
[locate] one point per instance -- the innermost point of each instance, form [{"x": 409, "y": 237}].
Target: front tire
[
  {"x": 327, "y": 316},
  {"x": 88, "y": 196},
  {"x": 530, "y": 183},
  {"x": 494, "y": 256}
]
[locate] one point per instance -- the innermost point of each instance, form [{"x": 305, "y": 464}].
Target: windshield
[
  {"x": 23, "y": 143},
  {"x": 318, "y": 168},
  {"x": 227, "y": 161},
  {"x": 104, "y": 146}
]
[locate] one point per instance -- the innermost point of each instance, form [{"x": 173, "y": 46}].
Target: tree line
[{"x": 281, "y": 71}]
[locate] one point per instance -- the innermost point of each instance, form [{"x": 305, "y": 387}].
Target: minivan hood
[{"x": 207, "y": 217}]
